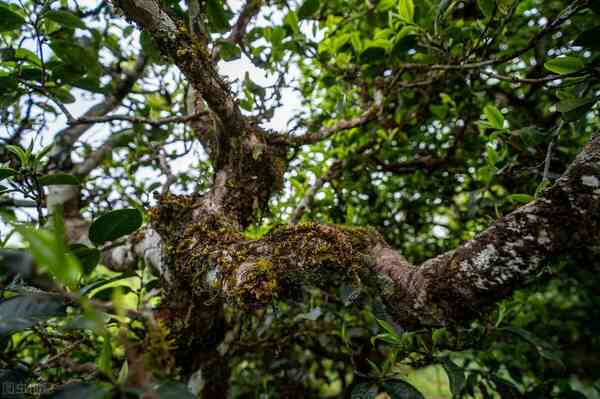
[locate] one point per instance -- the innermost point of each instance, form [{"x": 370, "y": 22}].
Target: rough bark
[
  {"x": 207, "y": 251},
  {"x": 247, "y": 169}
]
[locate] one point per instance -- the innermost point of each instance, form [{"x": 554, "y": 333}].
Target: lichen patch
[{"x": 590, "y": 181}]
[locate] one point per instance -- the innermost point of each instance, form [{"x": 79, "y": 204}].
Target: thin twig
[
  {"x": 47, "y": 93},
  {"x": 136, "y": 119},
  {"x": 326, "y": 132}
]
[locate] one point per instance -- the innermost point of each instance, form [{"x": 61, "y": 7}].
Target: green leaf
[
  {"x": 385, "y": 5},
  {"x": 217, "y": 16},
  {"x": 102, "y": 282},
  {"x": 105, "y": 358},
  {"x": 19, "y": 152},
  {"x": 23, "y": 311},
  {"x": 291, "y": 20},
  {"x": 9, "y": 20},
  {"x": 82, "y": 390},
  {"x": 456, "y": 376},
  {"x": 28, "y": 55},
  {"x": 173, "y": 390},
  {"x": 63, "y": 95},
  {"x": 589, "y": 39},
  {"x": 88, "y": 257},
  {"x": 543, "y": 348},
  {"x": 123, "y": 373},
  {"x": 494, "y": 116},
  {"x": 504, "y": 6},
  {"x": 364, "y": 391},
  {"x": 406, "y": 10},
  {"x": 564, "y": 65},
  {"x": 49, "y": 252},
  {"x": 572, "y": 104},
  {"x": 74, "y": 55},
  {"x": 487, "y": 7},
  {"x": 530, "y": 135},
  {"x": 520, "y": 198},
  {"x": 7, "y": 172},
  {"x": 399, "y": 389},
  {"x": 308, "y": 9},
  {"x": 229, "y": 51},
  {"x": 114, "y": 225},
  {"x": 57, "y": 179},
  {"x": 313, "y": 315},
  {"x": 387, "y": 327},
  {"x": 65, "y": 18}
]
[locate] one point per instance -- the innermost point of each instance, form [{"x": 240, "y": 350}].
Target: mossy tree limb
[{"x": 451, "y": 288}]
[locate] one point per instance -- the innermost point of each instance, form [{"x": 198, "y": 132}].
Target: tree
[{"x": 443, "y": 160}]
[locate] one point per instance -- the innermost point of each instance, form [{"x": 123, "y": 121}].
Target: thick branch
[
  {"x": 207, "y": 248},
  {"x": 191, "y": 57}
]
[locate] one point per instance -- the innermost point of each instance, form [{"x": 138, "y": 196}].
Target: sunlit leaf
[
  {"x": 562, "y": 65},
  {"x": 494, "y": 116},
  {"x": 406, "y": 10}
]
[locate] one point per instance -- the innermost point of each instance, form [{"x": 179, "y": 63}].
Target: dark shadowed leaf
[
  {"x": 65, "y": 19},
  {"x": 398, "y": 389},
  {"x": 82, "y": 391},
  {"x": 23, "y": 311},
  {"x": 308, "y": 8},
  {"x": 229, "y": 51},
  {"x": 16, "y": 262},
  {"x": 589, "y": 39},
  {"x": 173, "y": 390},
  {"x": 217, "y": 15},
  {"x": 9, "y": 20},
  {"x": 506, "y": 389},
  {"x": 364, "y": 391},
  {"x": 456, "y": 376},
  {"x": 59, "y": 179},
  {"x": 7, "y": 172},
  {"x": 114, "y": 225},
  {"x": 573, "y": 103},
  {"x": 88, "y": 257},
  {"x": 487, "y": 7}
]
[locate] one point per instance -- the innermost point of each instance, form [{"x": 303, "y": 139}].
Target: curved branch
[
  {"x": 326, "y": 132},
  {"x": 206, "y": 247},
  {"x": 190, "y": 56}
]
